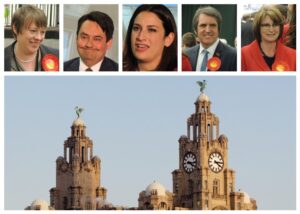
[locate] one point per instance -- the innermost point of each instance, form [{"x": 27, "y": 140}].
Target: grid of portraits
[{"x": 150, "y": 37}]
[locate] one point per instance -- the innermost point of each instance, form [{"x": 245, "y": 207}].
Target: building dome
[
  {"x": 60, "y": 159},
  {"x": 223, "y": 138},
  {"x": 78, "y": 122},
  {"x": 39, "y": 204},
  {"x": 96, "y": 158},
  {"x": 203, "y": 98},
  {"x": 183, "y": 137},
  {"x": 156, "y": 189}
]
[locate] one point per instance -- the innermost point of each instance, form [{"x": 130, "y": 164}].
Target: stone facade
[
  {"x": 203, "y": 180},
  {"x": 78, "y": 174}
]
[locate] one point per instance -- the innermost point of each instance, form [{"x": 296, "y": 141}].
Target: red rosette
[
  {"x": 214, "y": 64},
  {"x": 280, "y": 66},
  {"x": 50, "y": 63}
]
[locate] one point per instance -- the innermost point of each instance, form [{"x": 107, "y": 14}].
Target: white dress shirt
[
  {"x": 95, "y": 68},
  {"x": 211, "y": 50}
]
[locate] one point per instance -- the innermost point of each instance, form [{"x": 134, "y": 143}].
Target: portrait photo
[
  {"x": 31, "y": 37},
  {"x": 91, "y": 37},
  {"x": 208, "y": 38},
  {"x": 268, "y": 38},
  {"x": 149, "y": 37}
]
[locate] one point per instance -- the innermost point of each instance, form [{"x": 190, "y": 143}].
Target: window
[
  {"x": 216, "y": 188},
  {"x": 147, "y": 206},
  {"x": 206, "y": 204},
  {"x": 197, "y": 132},
  {"x": 190, "y": 187},
  {"x": 214, "y": 132},
  {"x": 65, "y": 203},
  {"x": 163, "y": 205},
  {"x": 208, "y": 133},
  {"x": 202, "y": 109},
  {"x": 82, "y": 154},
  {"x": 176, "y": 187},
  {"x": 88, "y": 205},
  {"x": 68, "y": 155},
  {"x": 89, "y": 153}
]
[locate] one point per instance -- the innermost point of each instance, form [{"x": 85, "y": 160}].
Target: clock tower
[
  {"x": 203, "y": 180},
  {"x": 78, "y": 173}
]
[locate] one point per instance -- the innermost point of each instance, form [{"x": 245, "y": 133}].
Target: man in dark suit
[
  {"x": 94, "y": 38},
  {"x": 211, "y": 54}
]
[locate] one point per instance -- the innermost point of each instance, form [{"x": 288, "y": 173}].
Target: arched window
[
  {"x": 82, "y": 154},
  {"x": 163, "y": 206},
  {"x": 147, "y": 206},
  {"x": 208, "y": 133}
]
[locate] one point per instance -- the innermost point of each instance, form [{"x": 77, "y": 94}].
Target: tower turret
[{"x": 77, "y": 172}]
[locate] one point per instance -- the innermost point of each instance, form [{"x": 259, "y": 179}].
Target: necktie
[
  {"x": 88, "y": 69},
  {"x": 204, "y": 61}
]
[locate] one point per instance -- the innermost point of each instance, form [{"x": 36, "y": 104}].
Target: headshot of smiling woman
[
  {"x": 151, "y": 40},
  {"x": 26, "y": 53},
  {"x": 267, "y": 52}
]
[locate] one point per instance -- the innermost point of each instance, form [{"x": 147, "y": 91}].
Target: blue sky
[{"x": 135, "y": 123}]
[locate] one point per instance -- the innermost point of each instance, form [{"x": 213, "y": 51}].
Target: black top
[
  {"x": 11, "y": 64},
  {"x": 269, "y": 60}
]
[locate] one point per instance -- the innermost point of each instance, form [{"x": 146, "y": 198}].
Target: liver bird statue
[
  {"x": 78, "y": 111},
  {"x": 202, "y": 85}
]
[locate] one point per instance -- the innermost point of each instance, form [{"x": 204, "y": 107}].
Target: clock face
[
  {"x": 215, "y": 162},
  {"x": 189, "y": 162}
]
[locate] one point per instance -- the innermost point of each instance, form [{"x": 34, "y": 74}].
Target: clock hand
[
  {"x": 218, "y": 163},
  {"x": 191, "y": 163}
]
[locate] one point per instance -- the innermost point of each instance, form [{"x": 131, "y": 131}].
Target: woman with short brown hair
[{"x": 266, "y": 52}]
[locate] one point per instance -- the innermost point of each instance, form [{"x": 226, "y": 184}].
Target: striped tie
[{"x": 204, "y": 61}]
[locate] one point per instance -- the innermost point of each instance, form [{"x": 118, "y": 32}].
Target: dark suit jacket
[
  {"x": 225, "y": 53},
  {"x": 107, "y": 65},
  {"x": 8, "y": 54}
]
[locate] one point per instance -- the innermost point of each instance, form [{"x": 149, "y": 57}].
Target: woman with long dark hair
[{"x": 151, "y": 40}]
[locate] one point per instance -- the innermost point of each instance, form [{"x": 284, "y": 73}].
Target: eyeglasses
[{"x": 268, "y": 26}]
